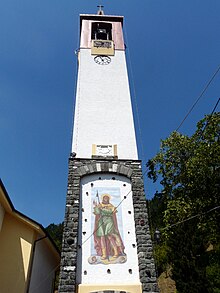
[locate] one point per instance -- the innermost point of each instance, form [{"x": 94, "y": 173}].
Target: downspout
[{"x": 32, "y": 262}]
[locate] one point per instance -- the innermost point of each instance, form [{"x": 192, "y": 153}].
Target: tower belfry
[{"x": 106, "y": 239}]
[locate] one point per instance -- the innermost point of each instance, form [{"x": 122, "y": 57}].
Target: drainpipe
[{"x": 32, "y": 261}]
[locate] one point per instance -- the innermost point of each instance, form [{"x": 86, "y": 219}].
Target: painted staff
[{"x": 101, "y": 225}]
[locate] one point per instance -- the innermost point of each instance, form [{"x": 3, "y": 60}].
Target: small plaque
[
  {"x": 101, "y": 150},
  {"x": 102, "y": 47},
  {"x": 102, "y": 44}
]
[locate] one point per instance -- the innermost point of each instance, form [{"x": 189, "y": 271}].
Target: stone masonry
[{"x": 70, "y": 246}]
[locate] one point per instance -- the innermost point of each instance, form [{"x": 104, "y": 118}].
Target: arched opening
[{"x": 101, "y": 31}]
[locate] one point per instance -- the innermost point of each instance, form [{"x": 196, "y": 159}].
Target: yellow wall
[
  {"x": 131, "y": 288},
  {"x": 16, "y": 240},
  {"x": 2, "y": 213}
]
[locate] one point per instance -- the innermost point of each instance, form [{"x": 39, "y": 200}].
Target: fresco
[{"x": 107, "y": 245}]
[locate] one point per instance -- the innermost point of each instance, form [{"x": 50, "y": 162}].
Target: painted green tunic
[{"x": 106, "y": 222}]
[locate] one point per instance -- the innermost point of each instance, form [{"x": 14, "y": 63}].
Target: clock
[{"x": 102, "y": 59}]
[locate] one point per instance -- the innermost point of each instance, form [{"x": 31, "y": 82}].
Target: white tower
[
  {"x": 106, "y": 240},
  {"x": 103, "y": 121}
]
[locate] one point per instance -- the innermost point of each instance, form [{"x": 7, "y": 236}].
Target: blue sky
[{"x": 173, "y": 48}]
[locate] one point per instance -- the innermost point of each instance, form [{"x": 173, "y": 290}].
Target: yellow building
[{"x": 28, "y": 257}]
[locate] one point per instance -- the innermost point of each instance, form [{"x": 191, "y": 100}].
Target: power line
[
  {"x": 190, "y": 218},
  {"x": 75, "y": 105},
  {"x": 216, "y": 105},
  {"x": 125, "y": 197},
  {"x": 200, "y": 96},
  {"x": 102, "y": 223},
  {"x": 134, "y": 96}
]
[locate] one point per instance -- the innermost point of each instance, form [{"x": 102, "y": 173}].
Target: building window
[{"x": 101, "y": 31}]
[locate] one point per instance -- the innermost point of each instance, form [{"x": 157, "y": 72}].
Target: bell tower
[{"x": 106, "y": 239}]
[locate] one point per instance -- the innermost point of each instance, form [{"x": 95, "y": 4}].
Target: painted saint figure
[{"x": 107, "y": 239}]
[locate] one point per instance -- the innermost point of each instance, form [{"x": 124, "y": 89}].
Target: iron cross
[{"x": 100, "y": 7}]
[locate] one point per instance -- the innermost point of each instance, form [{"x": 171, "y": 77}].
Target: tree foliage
[
  {"x": 56, "y": 232},
  {"x": 188, "y": 168}
]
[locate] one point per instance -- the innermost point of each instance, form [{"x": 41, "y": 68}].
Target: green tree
[
  {"x": 213, "y": 269},
  {"x": 157, "y": 207},
  {"x": 189, "y": 171},
  {"x": 56, "y": 232}
]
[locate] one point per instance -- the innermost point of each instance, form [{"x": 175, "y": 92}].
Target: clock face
[{"x": 102, "y": 59}]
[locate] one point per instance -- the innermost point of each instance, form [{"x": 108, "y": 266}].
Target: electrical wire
[
  {"x": 125, "y": 197},
  {"x": 216, "y": 105},
  {"x": 173, "y": 225},
  {"x": 102, "y": 223},
  {"x": 135, "y": 96},
  {"x": 75, "y": 91},
  {"x": 200, "y": 96},
  {"x": 190, "y": 218},
  {"x": 75, "y": 84}
]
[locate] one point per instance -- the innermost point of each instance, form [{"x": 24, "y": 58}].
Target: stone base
[{"x": 70, "y": 247}]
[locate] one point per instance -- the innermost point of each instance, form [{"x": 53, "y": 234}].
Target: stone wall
[{"x": 70, "y": 247}]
